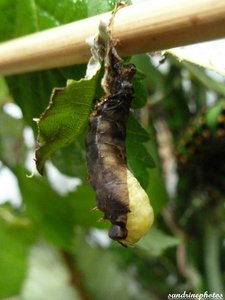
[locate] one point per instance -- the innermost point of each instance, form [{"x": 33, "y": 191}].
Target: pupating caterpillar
[
  {"x": 201, "y": 151},
  {"x": 118, "y": 193}
]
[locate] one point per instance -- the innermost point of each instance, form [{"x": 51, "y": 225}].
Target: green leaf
[
  {"x": 152, "y": 78},
  {"x": 28, "y": 16},
  {"x": 208, "y": 55},
  {"x": 147, "y": 79},
  {"x": 96, "y": 7},
  {"x": 206, "y": 80},
  {"x": 141, "y": 95},
  {"x": 139, "y": 159},
  {"x": 156, "y": 242},
  {"x": 32, "y": 91},
  {"x": 64, "y": 118},
  {"x": 71, "y": 159},
  {"x": 16, "y": 236},
  {"x": 53, "y": 215},
  {"x": 156, "y": 191},
  {"x": 212, "y": 115}
]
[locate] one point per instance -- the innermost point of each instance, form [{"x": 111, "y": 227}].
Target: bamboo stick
[{"x": 148, "y": 26}]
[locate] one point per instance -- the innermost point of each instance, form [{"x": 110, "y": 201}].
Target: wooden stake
[{"x": 148, "y": 26}]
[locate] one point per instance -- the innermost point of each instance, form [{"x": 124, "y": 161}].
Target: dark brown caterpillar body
[
  {"x": 106, "y": 155},
  {"x": 119, "y": 194}
]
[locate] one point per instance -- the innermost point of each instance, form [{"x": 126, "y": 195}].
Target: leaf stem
[
  {"x": 212, "y": 258},
  {"x": 74, "y": 275}
]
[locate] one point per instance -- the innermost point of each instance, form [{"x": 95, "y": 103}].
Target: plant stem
[
  {"x": 74, "y": 275},
  {"x": 212, "y": 258}
]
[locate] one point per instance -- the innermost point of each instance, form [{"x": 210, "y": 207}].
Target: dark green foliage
[
  {"x": 17, "y": 236},
  {"x": 202, "y": 145}
]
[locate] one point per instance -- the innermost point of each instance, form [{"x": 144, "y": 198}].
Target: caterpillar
[
  {"x": 201, "y": 150},
  {"x": 118, "y": 193}
]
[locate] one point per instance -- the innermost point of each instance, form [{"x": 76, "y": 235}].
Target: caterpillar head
[{"x": 139, "y": 219}]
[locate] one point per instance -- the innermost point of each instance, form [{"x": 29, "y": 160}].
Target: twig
[
  {"x": 75, "y": 279},
  {"x": 139, "y": 28}
]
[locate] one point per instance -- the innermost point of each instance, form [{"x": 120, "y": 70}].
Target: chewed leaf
[{"x": 64, "y": 118}]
